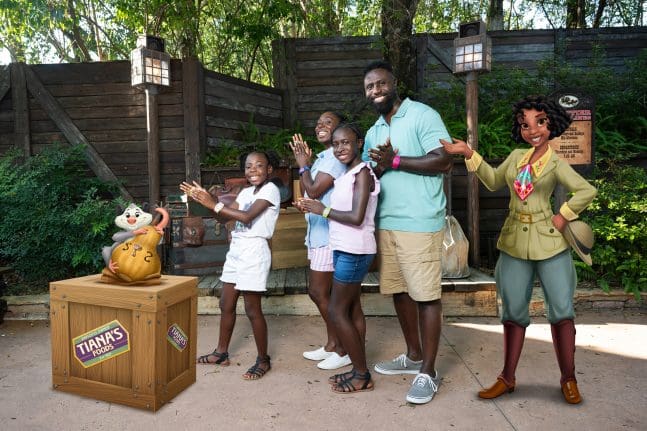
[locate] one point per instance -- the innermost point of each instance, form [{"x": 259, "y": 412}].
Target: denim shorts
[{"x": 351, "y": 268}]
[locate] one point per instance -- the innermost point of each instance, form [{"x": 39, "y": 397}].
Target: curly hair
[{"x": 558, "y": 118}]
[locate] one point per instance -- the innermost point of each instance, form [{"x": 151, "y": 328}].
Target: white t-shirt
[{"x": 263, "y": 225}]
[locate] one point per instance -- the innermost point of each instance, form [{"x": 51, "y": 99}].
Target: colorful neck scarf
[{"x": 523, "y": 184}]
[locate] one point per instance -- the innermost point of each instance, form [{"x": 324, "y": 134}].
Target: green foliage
[
  {"x": 228, "y": 153},
  {"x": 277, "y": 142},
  {"x": 225, "y": 154},
  {"x": 618, "y": 217},
  {"x": 54, "y": 220},
  {"x": 620, "y": 103}
]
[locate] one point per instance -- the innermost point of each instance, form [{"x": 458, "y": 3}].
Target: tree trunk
[
  {"x": 77, "y": 38},
  {"x": 575, "y": 14},
  {"x": 397, "y": 34},
  {"x": 495, "y": 15}
]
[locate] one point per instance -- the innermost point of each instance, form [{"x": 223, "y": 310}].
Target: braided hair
[{"x": 558, "y": 118}]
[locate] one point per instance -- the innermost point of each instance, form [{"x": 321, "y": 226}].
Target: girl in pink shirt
[{"x": 352, "y": 239}]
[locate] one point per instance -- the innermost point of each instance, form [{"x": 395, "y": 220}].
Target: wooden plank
[
  {"x": 20, "y": 102},
  {"x": 59, "y": 322},
  {"x": 93, "y": 124},
  {"x": 194, "y": 123},
  {"x": 276, "y": 282},
  {"x": 365, "y": 54},
  {"x": 297, "y": 278},
  {"x": 240, "y": 82},
  {"x": 241, "y": 116},
  {"x": 85, "y": 73},
  {"x": 289, "y": 109},
  {"x": 242, "y": 105},
  {"x": 144, "y": 354},
  {"x": 109, "y": 112},
  {"x": 103, "y": 88},
  {"x": 325, "y": 65},
  {"x": 335, "y": 42},
  {"x": 216, "y": 87},
  {"x": 70, "y": 130},
  {"x": 5, "y": 81},
  {"x": 153, "y": 142}
]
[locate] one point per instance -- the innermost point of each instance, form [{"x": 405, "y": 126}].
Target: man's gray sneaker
[
  {"x": 399, "y": 365},
  {"x": 423, "y": 388}
]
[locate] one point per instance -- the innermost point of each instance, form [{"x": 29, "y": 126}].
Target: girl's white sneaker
[
  {"x": 317, "y": 355},
  {"x": 334, "y": 361}
]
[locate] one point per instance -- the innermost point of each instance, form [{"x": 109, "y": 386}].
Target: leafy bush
[
  {"x": 620, "y": 103},
  {"x": 229, "y": 153},
  {"x": 618, "y": 217},
  {"x": 225, "y": 154},
  {"x": 55, "y": 217}
]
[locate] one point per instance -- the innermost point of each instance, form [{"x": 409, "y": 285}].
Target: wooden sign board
[{"x": 575, "y": 145}]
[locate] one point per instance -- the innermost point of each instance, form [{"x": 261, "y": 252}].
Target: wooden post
[
  {"x": 193, "y": 109},
  {"x": 153, "y": 141},
  {"x": 473, "y": 213},
  {"x": 285, "y": 78},
  {"x": 20, "y": 101}
]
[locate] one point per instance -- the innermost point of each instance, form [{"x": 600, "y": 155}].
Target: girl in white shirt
[{"x": 248, "y": 261}]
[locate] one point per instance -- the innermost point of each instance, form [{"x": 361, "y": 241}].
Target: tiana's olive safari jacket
[{"x": 528, "y": 232}]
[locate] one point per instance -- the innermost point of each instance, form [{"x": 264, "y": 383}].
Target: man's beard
[{"x": 386, "y": 105}]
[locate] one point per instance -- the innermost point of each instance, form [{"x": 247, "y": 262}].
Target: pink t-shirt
[{"x": 344, "y": 237}]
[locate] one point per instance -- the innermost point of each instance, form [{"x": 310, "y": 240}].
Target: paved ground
[{"x": 611, "y": 364}]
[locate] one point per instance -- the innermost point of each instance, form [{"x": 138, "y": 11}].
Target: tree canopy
[{"x": 234, "y": 36}]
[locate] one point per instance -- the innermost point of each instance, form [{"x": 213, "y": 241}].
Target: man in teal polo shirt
[{"x": 404, "y": 144}]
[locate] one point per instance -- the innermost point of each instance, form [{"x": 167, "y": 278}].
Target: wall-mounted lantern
[
  {"x": 472, "y": 49},
  {"x": 149, "y": 63}
]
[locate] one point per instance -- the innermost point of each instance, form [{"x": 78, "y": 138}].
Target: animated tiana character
[{"x": 533, "y": 240}]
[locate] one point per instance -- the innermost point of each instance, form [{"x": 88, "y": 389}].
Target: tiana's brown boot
[
  {"x": 513, "y": 336},
  {"x": 564, "y": 343}
]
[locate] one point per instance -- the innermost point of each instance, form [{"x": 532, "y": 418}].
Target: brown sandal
[
  {"x": 221, "y": 359},
  {"x": 255, "y": 372}
]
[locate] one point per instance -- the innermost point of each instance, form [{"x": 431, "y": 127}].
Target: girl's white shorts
[{"x": 247, "y": 264}]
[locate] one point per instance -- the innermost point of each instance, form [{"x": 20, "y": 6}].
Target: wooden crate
[
  {"x": 287, "y": 243},
  {"x": 127, "y": 345}
]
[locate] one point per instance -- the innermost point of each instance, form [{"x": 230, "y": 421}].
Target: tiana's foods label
[{"x": 101, "y": 344}]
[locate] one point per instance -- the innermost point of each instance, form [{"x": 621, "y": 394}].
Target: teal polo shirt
[{"x": 410, "y": 202}]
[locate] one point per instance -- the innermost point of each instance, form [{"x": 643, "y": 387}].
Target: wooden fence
[
  {"x": 319, "y": 74},
  {"x": 94, "y": 103}
]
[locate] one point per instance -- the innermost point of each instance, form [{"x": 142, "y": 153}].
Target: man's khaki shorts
[{"x": 410, "y": 262}]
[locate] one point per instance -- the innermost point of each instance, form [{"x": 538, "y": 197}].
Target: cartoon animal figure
[
  {"x": 133, "y": 257},
  {"x": 132, "y": 219}
]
